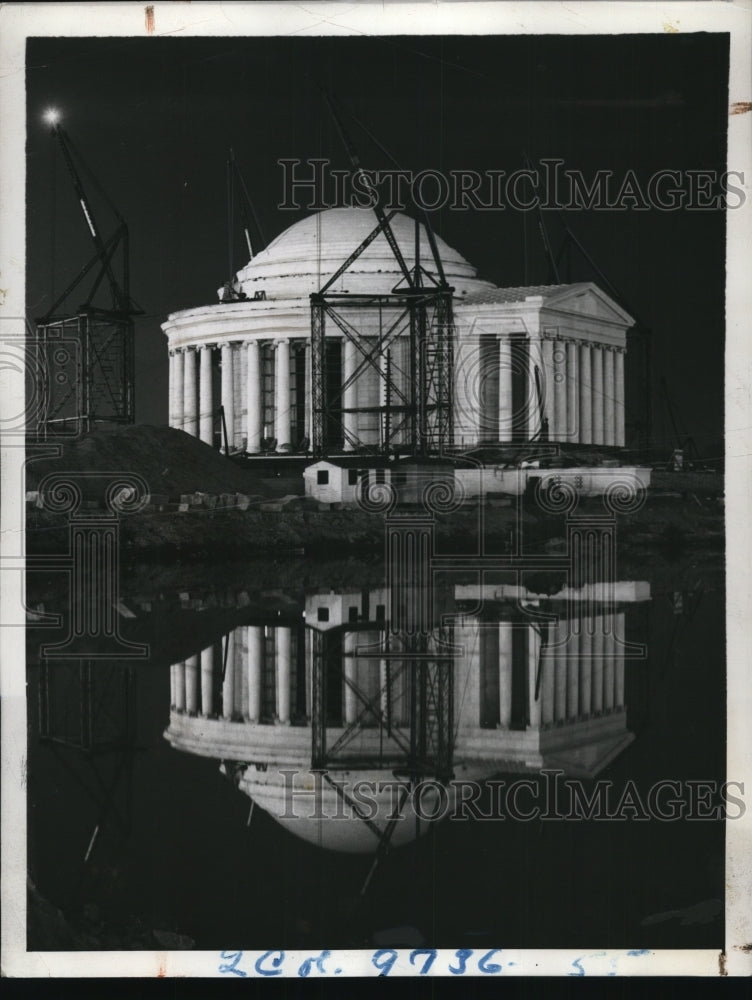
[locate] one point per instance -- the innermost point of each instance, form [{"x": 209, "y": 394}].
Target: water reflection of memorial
[{"x": 506, "y": 680}]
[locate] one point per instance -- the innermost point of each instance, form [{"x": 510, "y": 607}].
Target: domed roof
[{"x": 303, "y": 258}]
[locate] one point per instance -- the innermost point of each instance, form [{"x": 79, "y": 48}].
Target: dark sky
[{"x": 154, "y": 119}]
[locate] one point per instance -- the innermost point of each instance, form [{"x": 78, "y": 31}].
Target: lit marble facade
[{"x": 253, "y": 357}]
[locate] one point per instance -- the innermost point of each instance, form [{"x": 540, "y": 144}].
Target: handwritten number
[
  {"x": 486, "y": 965},
  {"x": 462, "y": 956},
  {"x": 430, "y": 954},
  {"x": 231, "y": 965},
  {"x": 384, "y": 959}
]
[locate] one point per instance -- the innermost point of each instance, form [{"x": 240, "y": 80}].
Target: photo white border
[{"x": 21, "y": 20}]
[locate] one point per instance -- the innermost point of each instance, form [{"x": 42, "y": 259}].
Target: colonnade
[
  {"x": 581, "y": 666},
  {"x": 194, "y": 409},
  {"x": 582, "y": 386}
]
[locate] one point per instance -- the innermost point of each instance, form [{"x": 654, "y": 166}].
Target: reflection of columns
[
  {"x": 586, "y": 667},
  {"x": 505, "y": 674},
  {"x": 619, "y": 637},
  {"x": 349, "y": 670},
  {"x": 228, "y": 401},
  {"x": 253, "y": 398},
  {"x": 207, "y": 681},
  {"x": 384, "y": 686},
  {"x": 180, "y": 686},
  {"x": 548, "y": 675},
  {"x": 533, "y": 655},
  {"x": 282, "y": 644},
  {"x": 505, "y": 390},
  {"x": 573, "y": 674},
  {"x": 255, "y": 671},
  {"x": 228, "y": 685},
  {"x": 547, "y": 355},
  {"x": 608, "y": 662},
  {"x": 586, "y": 395},
  {"x": 597, "y": 665},
  {"x": 349, "y": 420},
  {"x": 282, "y": 394},
  {"x": 206, "y": 397},
  {"x": 573, "y": 388},
  {"x": 609, "y": 409},
  {"x": 619, "y": 398},
  {"x": 560, "y": 390},
  {"x": 597, "y": 367},
  {"x": 190, "y": 407},
  {"x": 191, "y": 685},
  {"x": 560, "y": 686},
  {"x": 177, "y": 406}
]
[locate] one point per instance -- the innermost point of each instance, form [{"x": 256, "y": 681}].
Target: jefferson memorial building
[{"x": 534, "y": 363}]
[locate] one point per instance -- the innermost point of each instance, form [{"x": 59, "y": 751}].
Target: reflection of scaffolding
[
  {"x": 418, "y": 732},
  {"x": 91, "y": 708}
]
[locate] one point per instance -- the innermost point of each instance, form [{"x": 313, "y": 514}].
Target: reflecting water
[{"x": 315, "y": 760}]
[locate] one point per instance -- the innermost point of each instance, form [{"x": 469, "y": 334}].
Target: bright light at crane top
[{"x": 52, "y": 116}]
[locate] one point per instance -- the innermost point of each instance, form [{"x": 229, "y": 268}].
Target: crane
[{"x": 87, "y": 350}]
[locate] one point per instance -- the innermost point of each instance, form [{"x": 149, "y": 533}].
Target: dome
[{"x": 302, "y": 258}]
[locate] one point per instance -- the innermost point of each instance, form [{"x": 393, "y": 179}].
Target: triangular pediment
[{"x": 587, "y": 299}]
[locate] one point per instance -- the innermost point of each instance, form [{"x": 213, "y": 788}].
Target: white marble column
[
  {"x": 560, "y": 390},
  {"x": 597, "y": 673},
  {"x": 586, "y": 395},
  {"x": 548, "y": 676},
  {"x": 562, "y": 662},
  {"x": 173, "y": 685},
  {"x": 228, "y": 400},
  {"x": 255, "y": 671},
  {"x": 533, "y": 655},
  {"x": 619, "y": 397},
  {"x": 253, "y": 398},
  {"x": 190, "y": 393},
  {"x": 573, "y": 387},
  {"x": 171, "y": 389},
  {"x": 191, "y": 685},
  {"x": 180, "y": 686},
  {"x": 573, "y": 674},
  {"x": 207, "y": 681},
  {"x": 282, "y": 649},
  {"x": 586, "y": 667},
  {"x": 349, "y": 670},
  {"x": 505, "y": 390},
  {"x": 505, "y": 675},
  {"x": 597, "y": 368},
  {"x": 547, "y": 356},
  {"x": 620, "y": 636},
  {"x": 609, "y": 673},
  {"x": 609, "y": 395},
  {"x": 228, "y": 685},
  {"x": 534, "y": 360},
  {"x": 178, "y": 406},
  {"x": 349, "y": 394},
  {"x": 206, "y": 397},
  {"x": 282, "y": 395}
]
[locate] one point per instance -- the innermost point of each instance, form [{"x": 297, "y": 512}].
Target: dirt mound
[{"x": 171, "y": 461}]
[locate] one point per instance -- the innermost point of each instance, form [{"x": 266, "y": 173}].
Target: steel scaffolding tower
[
  {"x": 415, "y": 407},
  {"x": 87, "y": 353}
]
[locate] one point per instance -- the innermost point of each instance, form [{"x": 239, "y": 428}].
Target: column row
[{"x": 192, "y": 406}]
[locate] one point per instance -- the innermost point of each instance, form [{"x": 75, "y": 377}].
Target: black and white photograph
[{"x": 374, "y": 422}]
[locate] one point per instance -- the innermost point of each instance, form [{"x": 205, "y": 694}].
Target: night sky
[{"x": 154, "y": 119}]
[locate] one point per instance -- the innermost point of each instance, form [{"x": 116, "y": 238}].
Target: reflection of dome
[
  {"x": 304, "y": 256},
  {"x": 330, "y": 820}
]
